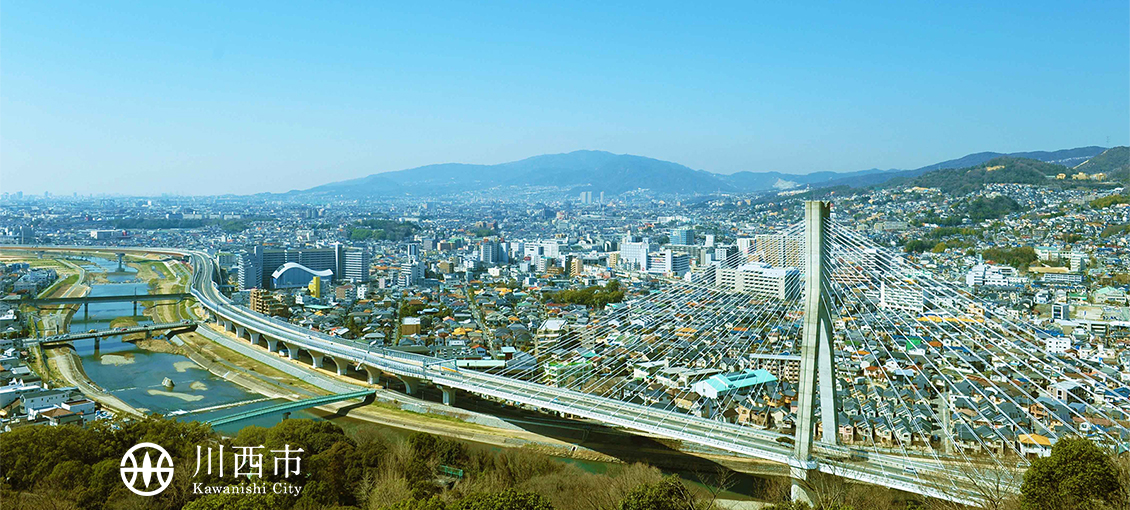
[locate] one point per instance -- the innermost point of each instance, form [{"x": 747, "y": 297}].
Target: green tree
[
  {"x": 592, "y": 297},
  {"x": 666, "y": 494},
  {"x": 1019, "y": 258},
  {"x": 939, "y": 248},
  {"x": 1107, "y": 201},
  {"x": 432, "y": 503},
  {"x": 917, "y": 246},
  {"x": 237, "y": 502},
  {"x": 509, "y": 499},
  {"x": 1078, "y": 474}
]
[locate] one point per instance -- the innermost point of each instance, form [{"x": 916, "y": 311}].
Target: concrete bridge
[
  {"x": 85, "y": 301},
  {"x": 148, "y": 329},
  {"x": 285, "y": 407}
]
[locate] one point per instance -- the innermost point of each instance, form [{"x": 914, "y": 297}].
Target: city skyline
[
  {"x": 581, "y": 256},
  {"x": 154, "y": 99}
]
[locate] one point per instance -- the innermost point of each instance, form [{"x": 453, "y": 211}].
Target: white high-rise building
[
  {"x": 633, "y": 254},
  {"x": 534, "y": 249},
  {"x": 898, "y": 298},
  {"x": 1057, "y": 344},
  {"x": 779, "y": 250},
  {"x": 667, "y": 262},
  {"x": 761, "y": 279},
  {"x": 745, "y": 245},
  {"x": 411, "y": 273},
  {"x": 1077, "y": 262},
  {"x": 356, "y": 265}
]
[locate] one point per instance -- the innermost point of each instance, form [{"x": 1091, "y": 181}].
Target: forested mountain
[
  {"x": 1115, "y": 162},
  {"x": 998, "y": 170},
  {"x": 600, "y": 171}
]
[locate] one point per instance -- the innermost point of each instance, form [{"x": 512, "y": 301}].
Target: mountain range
[{"x": 599, "y": 171}]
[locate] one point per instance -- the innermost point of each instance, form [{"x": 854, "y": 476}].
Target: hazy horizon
[{"x": 154, "y": 98}]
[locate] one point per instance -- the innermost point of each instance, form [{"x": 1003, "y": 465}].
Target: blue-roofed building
[{"x": 726, "y": 384}]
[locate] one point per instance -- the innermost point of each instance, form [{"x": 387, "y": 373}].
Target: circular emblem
[{"x": 162, "y": 469}]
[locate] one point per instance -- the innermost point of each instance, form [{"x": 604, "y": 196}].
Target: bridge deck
[
  {"x": 289, "y": 406},
  {"x": 62, "y": 339},
  {"x": 105, "y": 299}
]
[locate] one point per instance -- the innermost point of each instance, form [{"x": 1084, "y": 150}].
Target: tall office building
[
  {"x": 411, "y": 273},
  {"x": 356, "y": 265},
  {"x": 543, "y": 263},
  {"x": 576, "y": 266},
  {"x": 249, "y": 268},
  {"x": 745, "y": 245},
  {"x": 760, "y": 279},
  {"x": 779, "y": 250},
  {"x": 26, "y": 235},
  {"x": 633, "y": 253},
  {"x": 669, "y": 262},
  {"x": 682, "y": 236},
  {"x": 492, "y": 253}
]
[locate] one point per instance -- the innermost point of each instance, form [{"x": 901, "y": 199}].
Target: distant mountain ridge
[
  {"x": 598, "y": 170},
  {"x": 589, "y": 170}
]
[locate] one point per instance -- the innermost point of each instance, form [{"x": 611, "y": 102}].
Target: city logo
[
  {"x": 159, "y": 473},
  {"x": 239, "y": 462}
]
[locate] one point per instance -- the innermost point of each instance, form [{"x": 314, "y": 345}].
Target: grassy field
[
  {"x": 39, "y": 364},
  {"x": 60, "y": 287}
]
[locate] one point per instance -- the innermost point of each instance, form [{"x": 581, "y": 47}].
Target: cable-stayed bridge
[{"x": 878, "y": 370}]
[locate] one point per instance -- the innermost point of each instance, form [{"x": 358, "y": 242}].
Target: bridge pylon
[{"x": 817, "y": 374}]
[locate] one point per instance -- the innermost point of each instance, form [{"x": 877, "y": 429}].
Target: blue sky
[{"x": 162, "y": 96}]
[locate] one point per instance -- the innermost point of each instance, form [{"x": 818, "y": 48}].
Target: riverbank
[
  {"x": 71, "y": 282},
  {"x": 66, "y": 364}
]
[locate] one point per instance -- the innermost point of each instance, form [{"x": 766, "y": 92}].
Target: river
[{"x": 135, "y": 375}]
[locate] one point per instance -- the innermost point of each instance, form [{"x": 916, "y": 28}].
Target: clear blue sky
[{"x": 151, "y": 97}]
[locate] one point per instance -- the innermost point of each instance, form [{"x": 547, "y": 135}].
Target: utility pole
[{"x": 816, "y": 354}]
